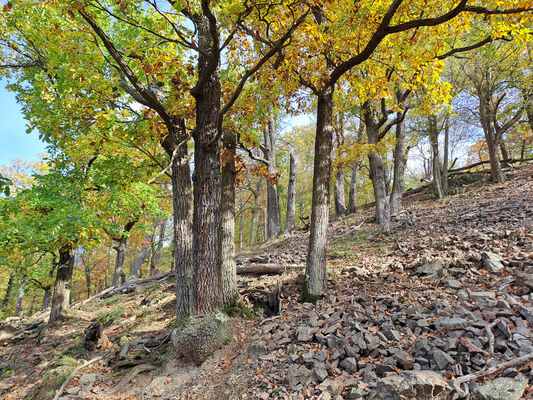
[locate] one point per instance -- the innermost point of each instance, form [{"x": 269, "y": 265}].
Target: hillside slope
[{"x": 450, "y": 290}]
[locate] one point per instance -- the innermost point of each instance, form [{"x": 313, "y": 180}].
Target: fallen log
[
  {"x": 265, "y": 269},
  {"x": 500, "y": 367},
  {"x": 126, "y": 288}
]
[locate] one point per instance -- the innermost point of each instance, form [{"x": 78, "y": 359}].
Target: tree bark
[
  {"x": 139, "y": 261},
  {"x": 161, "y": 241},
  {"x": 120, "y": 248},
  {"x": 88, "y": 279},
  {"x": 446, "y": 156},
  {"x": 175, "y": 144},
  {"x": 61, "y": 297},
  {"x": 207, "y": 181},
  {"x": 378, "y": 175},
  {"x": 46, "y": 298},
  {"x": 339, "y": 192},
  {"x": 20, "y": 296},
  {"x": 273, "y": 210},
  {"x": 437, "y": 165},
  {"x": 264, "y": 226},
  {"x": 32, "y": 304},
  {"x": 340, "y": 199},
  {"x": 240, "y": 231},
  {"x": 291, "y": 196},
  {"x": 227, "y": 208},
  {"x": 400, "y": 160},
  {"x": 352, "y": 195},
  {"x": 503, "y": 149},
  {"x": 378, "y": 172},
  {"x": 485, "y": 116},
  {"x": 315, "y": 273},
  {"x": 5, "y": 301},
  {"x": 256, "y": 211}
]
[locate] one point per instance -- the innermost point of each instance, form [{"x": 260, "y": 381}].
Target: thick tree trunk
[
  {"x": 503, "y": 149},
  {"x": 207, "y": 181},
  {"x": 378, "y": 175},
  {"x": 352, "y": 195},
  {"x": 315, "y": 273},
  {"x": 340, "y": 199},
  {"x": 10, "y": 282},
  {"x": 175, "y": 144},
  {"x": 378, "y": 172},
  {"x": 291, "y": 196},
  {"x": 46, "y": 298},
  {"x": 20, "y": 296},
  {"x": 139, "y": 261},
  {"x": 496, "y": 172},
  {"x": 156, "y": 260},
  {"x": 273, "y": 210},
  {"x": 485, "y": 116},
  {"x": 61, "y": 297},
  {"x": 120, "y": 248},
  {"x": 400, "y": 159},
  {"x": 227, "y": 208}
]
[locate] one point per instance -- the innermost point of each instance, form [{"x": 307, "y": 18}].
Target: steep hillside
[{"x": 450, "y": 290}]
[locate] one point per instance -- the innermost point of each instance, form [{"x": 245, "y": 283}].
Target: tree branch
[{"x": 149, "y": 96}]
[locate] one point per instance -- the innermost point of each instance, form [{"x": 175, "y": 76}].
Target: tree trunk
[
  {"x": 340, "y": 200},
  {"x": 400, "y": 160},
  {"x": 175, "y": 144},
  {"x": 503, "y": 149},
  {"x": 107, "y": 266},
  {"x": 139, "y": 261},
  {"x": 20, "y": 296},
  {"x": 352, "y": 195},
  {"x": 378, "y": 175},
  {"x": 240, "y": 231},
  {"x": 437, "y": 166},
  {"x": 496, "y": 172},
  {"x": 264, "y": 226},
  {"x": 46, "y": 298},
  {"x": 256, "y": 210},
  {"x": 485, "y": 116},
  {"x": 61, "y": 297},
  {"x": 161, "y": 241},
  {"x": 378, "y": 172},
  {"x": 32, "y": 304},
  {"x": 227, "y": 208},
  {"x": 446, "y": 157},
  {"x": 339, "y": 192},
  {"x": 207, "y": 242},
  {"x": 273, "y": 211},
  {"x": 88, "y": 279},
  {"x": 315, "y": 272},
  {"x": 5, "y": 301},
  {"x": 291, "y": 196},
  {"x": 120, "y": 248}
]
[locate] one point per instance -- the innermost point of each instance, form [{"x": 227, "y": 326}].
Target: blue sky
[{"x": 14, "y": 141}]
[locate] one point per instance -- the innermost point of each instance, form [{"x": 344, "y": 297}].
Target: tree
[
  {"x": 493, "y": 73},
  {"x": 327, "y": 65}
]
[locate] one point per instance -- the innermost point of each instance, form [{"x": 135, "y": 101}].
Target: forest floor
[{"x": 450, "y": 290}]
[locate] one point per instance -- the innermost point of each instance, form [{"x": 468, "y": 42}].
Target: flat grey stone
[
  {"x": 502, "y": 389},
  {"x": 491, "y": 262}
]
